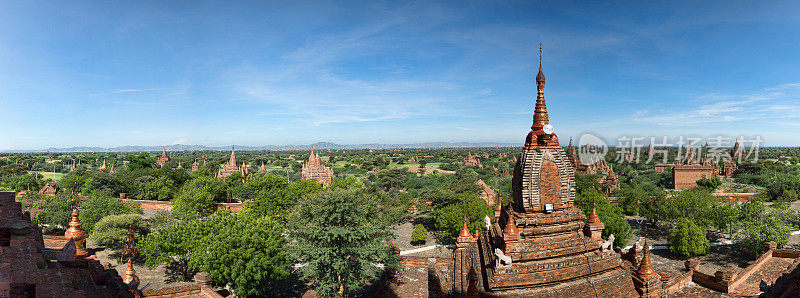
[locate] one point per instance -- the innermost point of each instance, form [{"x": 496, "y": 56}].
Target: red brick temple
[
  {"x": 163, "y": 159},
  {"x": 472, "y": 160},
  {"x": 231, "y": 166},
  {"x": 541, "y": 245},
  {"x": 313, "y": 169},
  {"x": 686, "y": 173}
]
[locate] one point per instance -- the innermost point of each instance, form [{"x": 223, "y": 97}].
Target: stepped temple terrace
[{"x": 542, "y": 245}]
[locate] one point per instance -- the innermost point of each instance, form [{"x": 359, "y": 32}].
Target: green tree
[
  {"x": 111, "y": 231},
  {"x": 247, "y": 252},
  {"x": 56, "y": 210},
  {"x": 198, "y": 197},
  {"x": 31, "y": 182},
  {"x": 687, "y": 239},
  {"x": 711, "y": 184},
  {"x": 161, "y": 189},
  {"x": 692, "y": 203},
  {"x": 340, "y": 235},
  {"x": 758, "y": 232},
  {"x": 346, "y": 183},
  {"x": 141, "y": 161},
  {"x": 725, "y": 218},
  {"x": 265, "y": 266},
  {"x": 391, "y": 179},
  {"x": 277, "y": 202},
  {"x": 419, "y": 235},
  {"x": 449, "y": 219},
  {"x": 630, "y": 198},
  {"x": 265, "y": 182},
  {"x": 101, "y": 205},
  {"x": 654, "y": 208}
]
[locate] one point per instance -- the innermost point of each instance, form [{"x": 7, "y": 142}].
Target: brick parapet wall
[
  {"x": 677, "y": 283},
  {"x": 714, "y": 282},
  {"x": 746, "y": 272},
  {"x": 167, "y": 205},
  {"x": 735, "y": 197},
  {"x": 151, "y": 205},
  {"x": 786, "y": 253}
]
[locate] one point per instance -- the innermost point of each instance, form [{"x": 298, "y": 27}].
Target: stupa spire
[
  {"x": 77, "y": 234},
  {"x": 593, "y": 217},
  {"x": 540, "y": 117},
  {"x": 646, "y": 271},
  {"x": 233, "y": 155},
  {"x": 498, "y": 208}
]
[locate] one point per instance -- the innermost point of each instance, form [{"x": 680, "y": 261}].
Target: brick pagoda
[
  {"x": 313, "y": 169},
  {"x": 686, "y": 173},
  {"x": 163, "y": 159},
  {"x": 472, "y": 160},
  {"x": 552, "y": 249},
  {"x": 231, "y": 167}
]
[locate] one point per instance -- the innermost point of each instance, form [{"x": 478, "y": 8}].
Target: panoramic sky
[{"x": 113, "y": 73}]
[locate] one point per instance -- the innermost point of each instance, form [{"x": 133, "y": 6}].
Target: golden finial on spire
[{"x": 540, "y": 55}]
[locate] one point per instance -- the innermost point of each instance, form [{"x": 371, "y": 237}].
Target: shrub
[
  {"x": 99, "y": 206},
  {"x": 197, "y": 198},
  {"x": 419, "y": 235},
  {"x": 54, "y": 211},
  {"x": 709, "y": 183},
  {"x": 111, "y": 231},
  {"x": 449, "y": 219},
  {"x": 687, "y": 239}
]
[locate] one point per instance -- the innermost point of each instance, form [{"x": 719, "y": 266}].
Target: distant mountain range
[{"x": 318, "y": 145}]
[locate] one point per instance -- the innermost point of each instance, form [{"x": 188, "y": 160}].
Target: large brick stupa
[{"x": 554, "y": 250}]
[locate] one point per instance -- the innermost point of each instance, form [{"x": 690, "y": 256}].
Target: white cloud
[{"x": 779, "y": 102}]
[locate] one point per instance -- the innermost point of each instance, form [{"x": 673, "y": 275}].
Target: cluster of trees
[
  {"x": 587, "y": 194},
  {"x": 781, "y": 182},
  {"x": 692, "y": 214},
  {"x": 336, "y": 236}
]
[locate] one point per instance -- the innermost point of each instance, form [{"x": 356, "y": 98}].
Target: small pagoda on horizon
[{"x": 163, "y": 159}]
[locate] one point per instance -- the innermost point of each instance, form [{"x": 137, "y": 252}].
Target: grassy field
[
  {"x": 49, "y": 175},
  {"x": 414, "y": 167}
]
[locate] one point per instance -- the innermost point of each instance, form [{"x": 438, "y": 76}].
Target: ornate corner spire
[
  {"x": 511, "y": 232},
  {"x": 130, "y": 250},
  {"x": 464, "y": 237},
  {"x": 77, "y": 234},
  {"x": 646, "y": 271},
  {"x": 593, "y": 217}
]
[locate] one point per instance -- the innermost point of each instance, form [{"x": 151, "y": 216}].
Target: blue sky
[{"x": 111, "y": 73}]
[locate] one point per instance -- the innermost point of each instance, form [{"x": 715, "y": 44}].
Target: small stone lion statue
[
  {"x": 608, "y": 244},
  {"x": 501, "y": 258}
]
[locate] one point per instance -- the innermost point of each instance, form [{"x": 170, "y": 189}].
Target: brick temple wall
[{"x": 685, "y": 177}]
